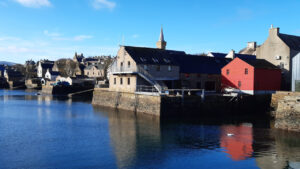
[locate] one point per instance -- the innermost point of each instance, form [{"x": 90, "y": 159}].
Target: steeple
[{"x": 161, "y": 44}]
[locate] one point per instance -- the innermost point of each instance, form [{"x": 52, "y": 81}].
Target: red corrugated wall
[
  {"x": 256, "y": 79},
  {"x": 237, "y": 73},
  {"x": 267, "y": 79}
]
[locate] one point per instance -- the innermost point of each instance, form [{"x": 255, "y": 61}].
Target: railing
[
  {"x": 124, "y": 69},
  {"x": 143, "y": 88}
]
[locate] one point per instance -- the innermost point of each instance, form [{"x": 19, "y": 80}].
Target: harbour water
[{"x": 45, "y": 132}]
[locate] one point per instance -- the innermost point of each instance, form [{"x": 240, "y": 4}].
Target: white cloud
[
  {"x": 34, "y": 3},
  {"x": 52, "y": 34},
  {"x": 82, "y": 37},
  {"x": 9, "y": 38},
  {"x": 100, "y": 4}
]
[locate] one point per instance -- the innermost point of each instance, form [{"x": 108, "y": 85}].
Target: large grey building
[{"x": 283, "y": 51}]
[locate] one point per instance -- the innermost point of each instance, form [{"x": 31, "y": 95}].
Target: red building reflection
[{"x": 237, "y": 141}]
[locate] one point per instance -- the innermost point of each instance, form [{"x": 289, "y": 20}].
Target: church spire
[
  {"x": 161, "y": 36},
  {"x": 161, "y": 44}
]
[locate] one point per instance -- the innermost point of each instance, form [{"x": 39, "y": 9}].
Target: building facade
[
  {"x": 251, "y": 76},
  {"x": 283, "y": 51}
]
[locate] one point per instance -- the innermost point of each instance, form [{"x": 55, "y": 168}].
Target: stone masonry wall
[
  {"x": 128, "y": 101},
  {"x": 288, "y": 112}
]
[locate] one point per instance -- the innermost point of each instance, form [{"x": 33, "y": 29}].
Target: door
[{"x": 297, "y": 85}]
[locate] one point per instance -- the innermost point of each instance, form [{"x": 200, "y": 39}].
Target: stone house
[
  {"x": 140, "y": 69},
  {"x": 95, "y": 71},
  {"x": 282, "y": 50}
]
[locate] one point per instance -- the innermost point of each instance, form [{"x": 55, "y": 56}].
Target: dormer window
[
  {"x": 143, "y": 59},
  {"x": 167, "y": 60},
  {"x": 155, "y": 60}
]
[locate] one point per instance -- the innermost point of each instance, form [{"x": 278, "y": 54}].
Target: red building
[{"x": 251, "y": 76}]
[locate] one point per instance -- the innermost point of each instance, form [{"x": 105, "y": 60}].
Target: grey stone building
[{"x": 283, "y": 50}]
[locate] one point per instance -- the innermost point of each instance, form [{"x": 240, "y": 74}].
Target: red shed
[{"x": 251, "y": 76}]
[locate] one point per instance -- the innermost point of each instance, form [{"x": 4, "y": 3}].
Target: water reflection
[
  {"x": 134, "y": 137},
  {"x": 62, "y": 133},
  {"x": 237, "y": 140}
]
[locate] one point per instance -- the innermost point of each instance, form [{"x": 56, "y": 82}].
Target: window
[
  {"x": 88, "y": 73},
  {"x": 155, "y": 60},
  {"x": 227, "y": 71},
  {"x": 145, "y": 67},
  {"x": 121, "y": 81},
  {"x": 128, "y": 81},
  {"x": 240, "y": 84},
  {"x": 115, "y": 80},
  {"x": 157, "y": 68},
  {"x": 128, "y": 64},
  {"x": 166, "y": 60},
  {"x": 281, "y": 65},
  {"x": 143, "y": 59},
  {"x": 121, "y": 64},
  {"x": 169, "y": 68},
  {"x": 187, "y": 75},
  {"x": 246, "y": 71}
]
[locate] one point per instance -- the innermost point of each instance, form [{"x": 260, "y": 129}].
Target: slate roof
[
  {"x": 48, "y": 65},
  {"x": 91, "y": 60},
  {"x": 152, "y": 56},
  {"x": 292, "y": 41},
  {"x": 260, "y": 64},
  {"x": 54, "y": 73},
  {"x": 200, "y": 64}
]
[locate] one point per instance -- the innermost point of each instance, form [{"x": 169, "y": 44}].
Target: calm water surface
[{"x": 44, "y": 132}]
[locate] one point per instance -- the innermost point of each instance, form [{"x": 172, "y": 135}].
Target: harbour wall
[
  {"x": 169, "y": 106},
  {"x": 287, "y": 115}
]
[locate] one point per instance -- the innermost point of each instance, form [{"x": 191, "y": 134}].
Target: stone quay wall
[
  {"x": 288, "y": 112},
  {"x": 171, "y": 106},
  {"x": 147, "y": 104}
]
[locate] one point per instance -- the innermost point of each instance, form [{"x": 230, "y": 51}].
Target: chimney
[
  {"x": 273, "y": 31},
  {"x": 251, "y": 45}
]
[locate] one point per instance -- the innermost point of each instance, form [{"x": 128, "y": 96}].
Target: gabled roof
[
  {"x": 260, "y": 63},
  {"x": 292, "y": 41},
  {"x": 153, "y": 56},
  {"x": 200, "y": 64}
]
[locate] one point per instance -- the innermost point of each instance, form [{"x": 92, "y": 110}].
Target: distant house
[
  {"x": 43, "y": 66},
  {"x": 14, "y": 78},
  {"x": 51, "y": 75},
  {"x": 283, "y": 51},
  {"x": 94, "y": 71},
  {"x": 2, "y": 68},
  {"x": 78, "y": 58},
  {"x": 251, "y": 76}
]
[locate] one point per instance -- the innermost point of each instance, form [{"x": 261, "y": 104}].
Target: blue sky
[{"x": 36, "y": 29}]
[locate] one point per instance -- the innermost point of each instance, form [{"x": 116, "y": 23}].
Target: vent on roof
[{"x": 278, "y": 57}]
